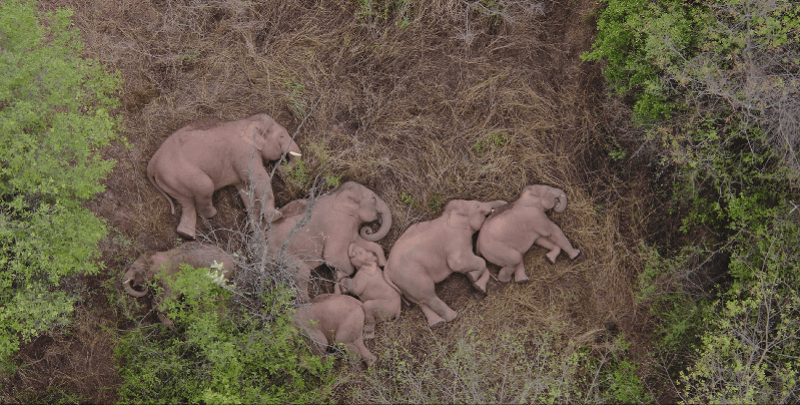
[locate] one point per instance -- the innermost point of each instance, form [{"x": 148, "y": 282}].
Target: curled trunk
[
  {"x": 561, "y": 200},
  {"x": 126, "y": 284},
  {"x": 385, "y": 219}
]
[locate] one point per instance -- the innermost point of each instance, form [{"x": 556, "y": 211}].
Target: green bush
[
  {"x": 54, "y": 119},
  {"x": 219, "y": 351}
]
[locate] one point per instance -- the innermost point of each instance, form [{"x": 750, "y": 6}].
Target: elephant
[
  {"x": 336, "y": 222},
  {"x": 427, "y": 252},
  {"x": 151, "y": 263},
  {"x": 380, "y": 300},
  {"x": 509, "y": 232},
  {"x": 205, "y": 156},
  {"x": 334, "y": 319}
]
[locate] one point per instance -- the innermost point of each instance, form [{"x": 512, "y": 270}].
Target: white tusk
[{"x": 297, "y": 154}]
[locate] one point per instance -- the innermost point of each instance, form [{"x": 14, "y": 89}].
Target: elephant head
[
  {"x": 469, "y": 213},
  {"x": 271, "y": 139},
  {"x": 359, "y": 201},
  {"x": 544, "y": 196},
  {"x": 137, "y": 276}
]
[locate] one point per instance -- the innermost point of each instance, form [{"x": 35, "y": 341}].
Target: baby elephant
[
  {"x": 334, "y": 319},
  {"x": 511, "y": 230},
  {"x": 149, "y": 264},
  {"x": 381, "y": 301}
]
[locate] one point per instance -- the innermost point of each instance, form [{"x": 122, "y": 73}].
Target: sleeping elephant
[
  {"x": 205, "y": 156},
  {"x": 337, "y": 220},
  {"x": 380, "y": 300},
  {"x": 510, "y": 231},
  {"x": 334, "y": 319},
  {"x": 149, "y": 264},
  {"x": 430, "y": 251}
]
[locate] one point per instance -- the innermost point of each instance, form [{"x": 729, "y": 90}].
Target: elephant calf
[
  {"x": 380, "y": 300},
  {"x": 509, "y": 232},
  {"x": 334, "y": 319},
  {"x": 149, "y": 264}
]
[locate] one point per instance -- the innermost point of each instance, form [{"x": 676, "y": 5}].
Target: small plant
[
  {"x": 493, "y": 140},
  {"x": 435, "y": 202},
  {"x": 409, "y": 200},
  {"x": 295, "y": 97}
]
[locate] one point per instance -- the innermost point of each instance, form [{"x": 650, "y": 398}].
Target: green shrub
[
  {"x": 54, "y": 119},
  {"x": 219, "y": 351}
]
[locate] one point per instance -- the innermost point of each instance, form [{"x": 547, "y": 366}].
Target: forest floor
[{"x": 424, "y": 103}]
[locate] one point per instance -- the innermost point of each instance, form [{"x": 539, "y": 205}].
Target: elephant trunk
[
  {"x": 385, "y": 219},
  {"x": 126, "y": 284},
  {"x": 561, "y": 201}
]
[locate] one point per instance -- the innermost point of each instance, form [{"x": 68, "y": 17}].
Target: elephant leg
[
  {"x": 480, "y": 284},
  {"x": 319, "y": 343},
  {"x": 473, "y": 266},
  {"x": 358, "y": 347},
  {"x": 554, "y": 250},
  {"x": 337, "y": 286},
  {"x": 434, "y": 320},
  {"x": 556, "y": 237},
  {"x": 519, "y": 274},
  {"x": 188, "y": 218},
  {"x": 204, "y": 190},
  {"x": 371, "y": 308},
  {"x": 301, "y": 280}
]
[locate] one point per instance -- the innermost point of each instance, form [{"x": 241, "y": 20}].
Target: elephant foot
[
  {"x": 368, "y": 334},
  {"x": 186, "y": 232},
  {"x": 437, "y": 324},
  {"x": 574, "y": 254},
  {"x": 525, "y": 280},
  {"x": 505, "y": 274},
  {"x": 208, "y": 213},
  {"x": 551, "y": 257}
]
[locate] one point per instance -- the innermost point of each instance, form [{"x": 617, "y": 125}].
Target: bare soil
[{"x": 458, "y": 103}]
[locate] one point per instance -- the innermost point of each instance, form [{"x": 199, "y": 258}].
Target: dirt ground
[{"x": 443, "y": 100}]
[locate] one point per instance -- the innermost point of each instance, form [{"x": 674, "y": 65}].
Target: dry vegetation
[{"x": 446, "y": 99}]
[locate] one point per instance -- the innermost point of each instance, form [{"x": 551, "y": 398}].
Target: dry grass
[{"x": 461, "y": 103}]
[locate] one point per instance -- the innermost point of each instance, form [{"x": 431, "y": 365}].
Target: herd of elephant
[{"x": 205, "y": 156}]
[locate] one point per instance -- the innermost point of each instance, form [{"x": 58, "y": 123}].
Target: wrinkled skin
[
  {"x": 430, "y": 251},
  {"x": 336, "y": 222},
  {"x": 380, "y": 300},
  {"x": 334, "y": 319},
  {"x": 509, "y": 232},
  {"x": 203, "y": 157},
  {"x": 149, "y": 264}
]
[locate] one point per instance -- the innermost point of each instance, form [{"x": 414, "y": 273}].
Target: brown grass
[{"x": 401, "y": 111}]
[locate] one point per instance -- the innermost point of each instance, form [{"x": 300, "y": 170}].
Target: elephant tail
[
  {"x": 391, "y": 284},
  {"x": 152, "y": 179}
]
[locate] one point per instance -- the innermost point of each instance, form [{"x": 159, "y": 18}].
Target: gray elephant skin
[
  {"x": 511, "y": 230},
  {"x": 205, "y": 156},
  {"x": 430, "y": 251},
  {"x": 334, "y": 319},
  {"x": 338, "y": 219},
  {"x": 196, "y": 254},
  {"x": 381, "y": 301}
]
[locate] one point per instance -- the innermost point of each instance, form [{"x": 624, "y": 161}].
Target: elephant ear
[
  {"x": 254, "y": 133},
  {"x": 346, "y": 202},
  {"x": 457, "y": 214}
]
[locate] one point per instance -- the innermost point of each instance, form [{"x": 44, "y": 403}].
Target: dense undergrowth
[
  {"x": 717, "y": 94},
  {"x": 423, "y": 102}
]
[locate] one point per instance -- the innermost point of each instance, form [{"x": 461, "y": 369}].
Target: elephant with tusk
[
  {"x": 337, "y": 219},
  {"x": 509, "y": 232},
  {"x": 203, "y": 157},
  {"x": 196, "y": 254}
]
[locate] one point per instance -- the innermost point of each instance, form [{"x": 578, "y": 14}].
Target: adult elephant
[
  {"x": 430, "y": 251},
  {"x": 509, "y": 232},
  {"x": 337, "y": 219},
  {"x": 196, "y": 254},
  {"x": 205, "y": 156}
]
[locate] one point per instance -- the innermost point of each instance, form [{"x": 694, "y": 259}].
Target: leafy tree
[{"x": 54, "y": 119}]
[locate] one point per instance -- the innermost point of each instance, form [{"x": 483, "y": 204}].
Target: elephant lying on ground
[
  {"x": 334, "y": 319},
  {"x": 430, "y": 251},
  {"x": 380, "y": 300},
  {"x": 510, "y": 231},
  {"x": 149, "y": 264},
  {"x": 203, "y": 157},
  {"x": 337, "y": 220}
]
